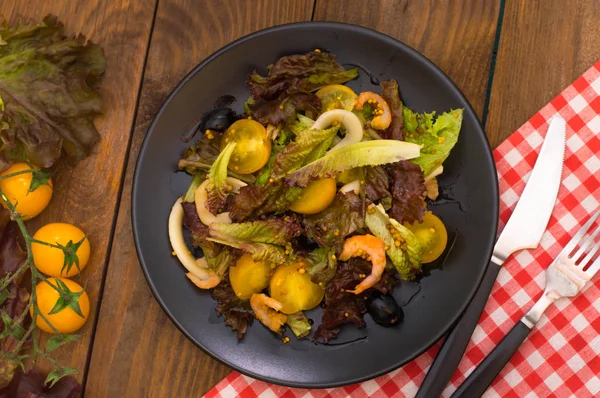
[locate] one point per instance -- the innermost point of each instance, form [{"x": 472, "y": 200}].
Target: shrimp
[
  {"x": 212, "y": 281},
  {"x": 382, "y": 113},
  {"x": 266, "y": 310},
  {"x": 367, "y": 246}
]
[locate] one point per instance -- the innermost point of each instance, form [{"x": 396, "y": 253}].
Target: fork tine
[
  {"x": 580, "y": 234},
  {"x": 596, "y": 264},
  {"x": 586, "y": 245},
  {"x": 590, "y": 255}
]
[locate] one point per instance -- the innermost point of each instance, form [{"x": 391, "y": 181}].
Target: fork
[{"x": 566, "y": 277}]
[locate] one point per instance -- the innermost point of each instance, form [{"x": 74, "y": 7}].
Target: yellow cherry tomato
[
  {"x": 336, "y": 96},
  {"x": 316, "y": 197},
  {"x": 253, "y": 146},
  {"x": 248, "y": 277},
  {"x": 50, "y": 260},
  {"x": 66, "y": 320},
  {"x": 292, "y": 287},
  {"x": 16, "y": 189},
  {"x": 432, "y": 234}
]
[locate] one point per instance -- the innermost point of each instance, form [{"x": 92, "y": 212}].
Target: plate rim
[{"x": 283, "y": 27}]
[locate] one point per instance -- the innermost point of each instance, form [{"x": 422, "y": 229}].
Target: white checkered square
[
  {"x": 568, "y": 222},
  {"x": 370, "y": 387},
  {"x": 228, "y": 391},
  {"x": 592, "y": 164},
  {"x": 513, "y": 378},
  {"x": 579, "y": 322},
  {"x": 553, "y": 381},
  {"x": 557, "y": 341},
  {"x": 535, "y": 359},
  {"x": 521, "y": 298},
  {"x": 513, "y": 157},
  {"x": 268, "y": 393},
  {"x": 548, "y": 240},
  {"x": 596, "y": 85},
  {"x": 578, "y": 103},
  {"x": 571, "y": 182},
  {"x": 499, "y": 316},
  {"x": 574, "y": 143},
  {"x": 524, "y": 257},
  {"x": 594, "y": 124},
  {"x": 509, "y": 197},
  {"x": 410, "y": 389},
  {"x": 534, "y": 139},
  {"x": 576, "y": 362},
  {"x": 589, "y": 204},
  {"x": 593, "y": 384}
]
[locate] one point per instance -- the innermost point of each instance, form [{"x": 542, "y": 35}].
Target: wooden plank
[
  {"x": 544, "y": 46},
  {"x": 458, "y": 36},
  {"x": 137, "y": 351},
  {"x": 87, "y": 194}
]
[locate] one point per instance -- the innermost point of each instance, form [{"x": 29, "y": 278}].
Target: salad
[{"x": 314, "y": 195}]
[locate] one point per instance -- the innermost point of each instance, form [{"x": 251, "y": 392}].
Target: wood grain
[
  {"x": 87, "y": 194},
  {"x": 458, "y": 36},
  {"x": 544, "y": 46},
  {"x": 138, "y": 352}
]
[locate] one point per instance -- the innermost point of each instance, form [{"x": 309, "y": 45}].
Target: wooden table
[{"x": 509, "y": 57}]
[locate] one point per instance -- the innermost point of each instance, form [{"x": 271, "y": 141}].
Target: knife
[{"x": 524, "y": 230}]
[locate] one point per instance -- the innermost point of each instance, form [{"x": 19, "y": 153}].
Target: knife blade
[{"x": 524, "y": 230}]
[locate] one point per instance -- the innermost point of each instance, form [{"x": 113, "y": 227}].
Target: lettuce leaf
[
  {"x": 258, "y": 251},
  {"x": 238, "y": 313},
  {"x": 297, "y": 153},
  {"x": 299, "y": 72},
  {"x": 366, "y": 153},
  {"x": 406, "y": 257},
  {"x": 283, "y": 110},
  {"x": 298, "y": 323},
  {"x": 278, "y": 144},
  {"x": 391, "y": 95},
  {"x": 277, "y": 231},
  {"x": 201, "y": 155},
  {"x": 330, "y": 227},
  {"x": 303, "y": 123},
  {"x": 408, "y": 191},
  {"x": 216, "y": 188},
  {"x": 287, "y": 89},
  {"x": 437, "y": 137},
  {"x": 321, "y": 264},
  {"x": 49, "y": 89}
]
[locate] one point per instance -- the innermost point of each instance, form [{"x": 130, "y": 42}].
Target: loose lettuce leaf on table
[
  {"x": 238, "y": 314},
  {"x": 408, "y": 191},
  {"x": 437, "y": 137},
  {"x": 32, "y": 385},
  {"x": 391, "y": 95},
  {"x": 48, "y": 93},
  {"x": 343, "y": 217}
]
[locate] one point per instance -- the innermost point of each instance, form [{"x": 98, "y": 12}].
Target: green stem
[
  {"x": 16, "y": 173},
  {"x": 14, "y": 276},
  {"x": 41, "y": 242},
  {"x": 23, "y": 339}
]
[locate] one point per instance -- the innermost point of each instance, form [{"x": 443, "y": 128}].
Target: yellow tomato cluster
[{"x": 47, "y": 250}]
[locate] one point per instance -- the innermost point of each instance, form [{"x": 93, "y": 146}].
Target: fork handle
[{"x": 481, "y": 378}]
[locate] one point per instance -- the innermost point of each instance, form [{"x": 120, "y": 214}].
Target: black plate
[{"x": 469, "y": 207}]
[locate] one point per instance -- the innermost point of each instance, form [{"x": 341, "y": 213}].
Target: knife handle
[
  {"x": 454, "y": 346},
  {"x": 481, "y": 378}
]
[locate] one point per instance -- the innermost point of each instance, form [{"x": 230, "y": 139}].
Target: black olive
[
  {"x": 219, "y": 119},
  {"x": 385, "y": 311}
]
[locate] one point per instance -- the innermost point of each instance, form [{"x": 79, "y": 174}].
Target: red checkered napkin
[{"x": 560, "y": 356}]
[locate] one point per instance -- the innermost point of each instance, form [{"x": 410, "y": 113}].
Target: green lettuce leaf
[
  {"x": 279, "y": 143},
  {"x": 49, "y": 89},
  {"x": 321, "y": 265},
  {"x": 366, "y": 153},
  {"x": 221, "y": 262},
  {"x": 406, "y": 257},
  {"x": 437, "y": 137},
  {"x": 298, "y": 323},
  {"x": 217, "y": 175},
  {"x": 295, "y": 154},
  {"x": 303, "y": 123},
  {"x": 278, "y": 231},
  {"x": 259, "y": 251}
]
